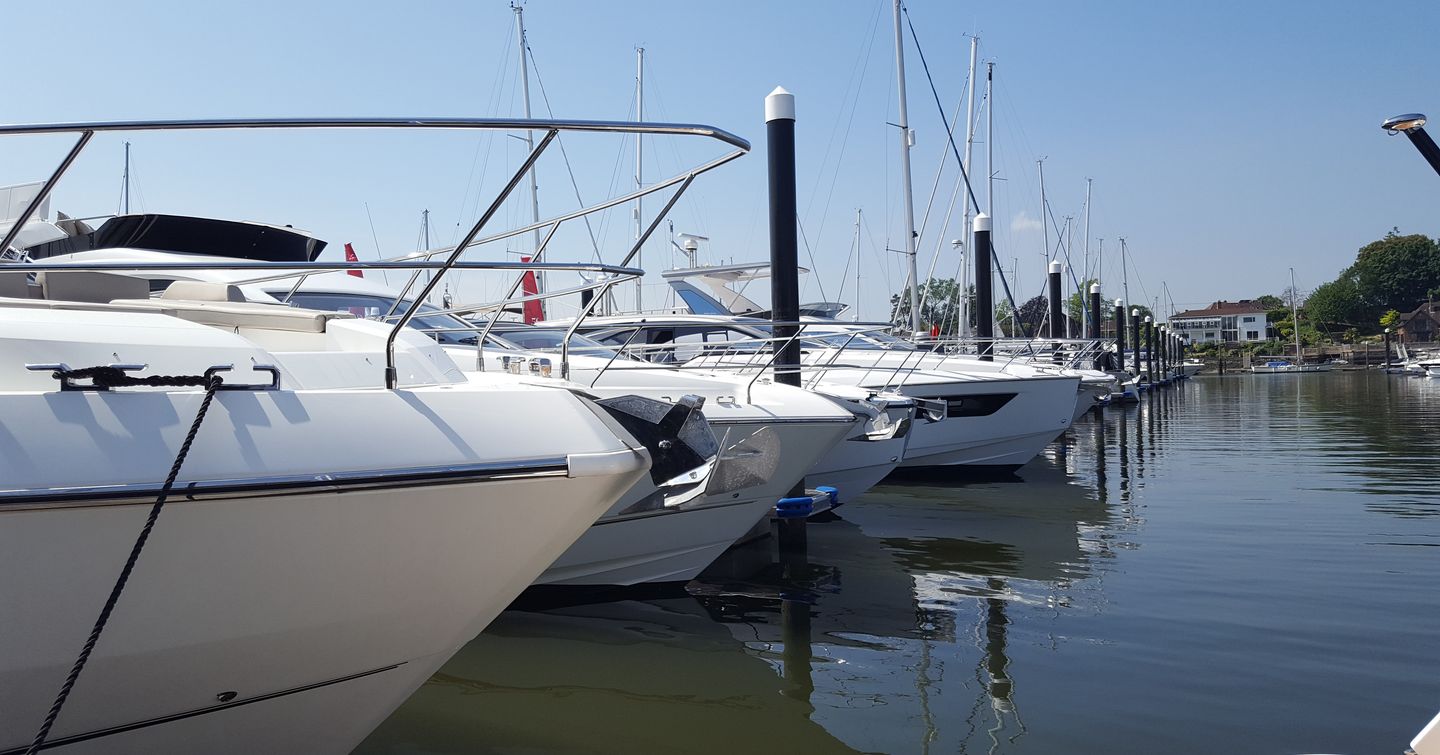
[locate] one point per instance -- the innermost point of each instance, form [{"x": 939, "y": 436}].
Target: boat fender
[{"x": 797, "y": 507}]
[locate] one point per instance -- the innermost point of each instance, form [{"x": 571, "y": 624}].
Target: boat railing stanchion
[
  {"x": 635, "y": 248},
  {"x": 391, "y": 376}
]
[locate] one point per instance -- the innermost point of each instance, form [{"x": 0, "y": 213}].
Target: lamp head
[{"x": 1406, "y": 123}]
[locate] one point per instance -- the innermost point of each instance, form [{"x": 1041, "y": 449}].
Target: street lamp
[{"x": 1412, "y": 125}]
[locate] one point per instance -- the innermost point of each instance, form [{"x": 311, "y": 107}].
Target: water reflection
[{"x": 947, "y": 616}]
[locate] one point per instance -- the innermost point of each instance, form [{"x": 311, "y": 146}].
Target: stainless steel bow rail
[{"x": 551, "y": 127}]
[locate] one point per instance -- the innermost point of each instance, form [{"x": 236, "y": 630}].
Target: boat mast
[
  {"x": 905, "y": 141},
  {"x": 990, "y": 139},
  {"x": 857, "y": 264},
  {"x": 125, "y": 191},
  {"x": 1295, "y": 318},
  {"x": 990, "y": 171},
  {"x": 425, "y": 239},
  {"x": 639, "y": 164},
  {"x": 529, "y": 137},
  {"x": 1086, "y": 275},
  {"x": 964, "y": 327},
  {"x": 1125, "y": 269}
]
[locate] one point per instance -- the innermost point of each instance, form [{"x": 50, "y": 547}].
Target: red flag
[
  {"x": 534, "y": 310},
  {"x": 934, "y": 331},
  {"x": 350, "y": 257}
]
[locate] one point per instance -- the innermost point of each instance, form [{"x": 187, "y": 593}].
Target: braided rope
[
  {"x": 113, "y": 377},
  {"x": 107, "y": 374}
]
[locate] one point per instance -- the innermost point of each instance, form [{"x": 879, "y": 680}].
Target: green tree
[
  {"x": 1271, "y": 301},
  {"x": 1390, "y": 319},
  {"x": 940, "y": 306},
  {"x": 1338, "y": 302},
  {"x": 1397, "y": 271},
  {"x": 1032, "y": 313},
  {"x": 1079, "y": 301}
]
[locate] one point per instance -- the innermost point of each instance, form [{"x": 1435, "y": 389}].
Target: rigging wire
[
  {"x": 486, "y": 139},
  {"x": 862, "y": 67},
  {"x": 811, "y": 252},
  {"x": 535, "y": 66},
  {"x": 970, "y": 190}
]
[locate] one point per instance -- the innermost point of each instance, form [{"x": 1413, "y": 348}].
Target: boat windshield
[
  {"x": 549, "y": 339},
  {"x": 871, "y": 341},
  {"x": 447, "y": 329}
]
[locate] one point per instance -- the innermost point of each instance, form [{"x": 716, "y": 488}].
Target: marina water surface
[{"x": 1237, "y": 564}]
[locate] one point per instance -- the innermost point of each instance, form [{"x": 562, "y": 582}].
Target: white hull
[
  {"x": 1263, "y": 370},
  {"x": 204, "y": 614},
  {"x": 326, "y": 550},
  {"x": 1010, "y": 437},
  {"x": 674, "y": 545},
  {"x": 851, "y": 466}
]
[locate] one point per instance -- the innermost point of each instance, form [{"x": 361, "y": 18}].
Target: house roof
[
  {"x": 1428, "y": 309},
  {"x": 1224, "y": 308}
]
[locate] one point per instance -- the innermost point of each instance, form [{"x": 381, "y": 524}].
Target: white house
[{"x": 1223, "y": 321}]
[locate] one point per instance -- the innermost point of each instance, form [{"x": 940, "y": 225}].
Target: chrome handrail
[
  {"x": 552, "y": 127},
  {"x": 392, "y": 377},
  {"x": 600, "y": 295}
]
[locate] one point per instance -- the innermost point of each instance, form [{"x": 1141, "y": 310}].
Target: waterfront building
[
  {"x": 1421, "y": 325},
  {"x": 1223, "y": 322}
]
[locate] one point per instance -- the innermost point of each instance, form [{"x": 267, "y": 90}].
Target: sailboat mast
[
  {"x": 1044, "y": 218},
  {"x": 529, "y": 137},
  {"x": 1086, "y": 274},
  {"x": 639, "y": 165},
  {"x": 857, "y": 264},
  {"x": 1295, "y": 318},
  {"x": 990, "y": 140},
  {"x": 125, "y": 192},
  {"x": 1125, "y": 269},
  {"x": 425, "y": 238},
  {"x": 970, "y": 131},
  {"x": 905, "y": 141}
]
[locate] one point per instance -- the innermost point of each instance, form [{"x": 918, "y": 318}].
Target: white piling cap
[
  {"x": 981, "y": 223},
  {"x": 779, "y": 105},
  {"x": 1055, "y": 267},
  {"x": 1094, "y": 288},
  {"x": 1120, "y": 302},
  {"x": 1134, "y": 312},
  {"x": 1147, "y": 318}
]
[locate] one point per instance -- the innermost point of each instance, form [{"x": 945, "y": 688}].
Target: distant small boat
[
  {"x": 1285, "y": 366},
  {"x": 1275, "y": 366}
]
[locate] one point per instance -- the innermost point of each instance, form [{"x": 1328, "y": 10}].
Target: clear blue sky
[{"x": 1228, "y": 141}]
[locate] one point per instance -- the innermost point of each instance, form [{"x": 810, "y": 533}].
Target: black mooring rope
[{"x": 112, "y": 377}]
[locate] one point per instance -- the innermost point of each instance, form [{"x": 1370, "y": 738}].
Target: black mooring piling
[
  {"x": 984, "y": 297},
  {"x": 1120, "y": 335},
  {"x": 784, "y": 266},
  {"x": 1135, "y": 337}
]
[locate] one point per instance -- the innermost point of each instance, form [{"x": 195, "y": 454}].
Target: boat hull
[
  {"x": 674, "y": 545},
  {"x": 1041, "y": 409},
  {"x": 205, "y": 635}
]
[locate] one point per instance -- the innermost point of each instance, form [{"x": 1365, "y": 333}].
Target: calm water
[{"x": 1238, "y": 564}]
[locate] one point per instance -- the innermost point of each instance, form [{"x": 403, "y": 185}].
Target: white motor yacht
[
  {"x": 1094, "y": 388},
  {"x": 990, "y": 420},
  {"x": 329, "y": 542}
]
